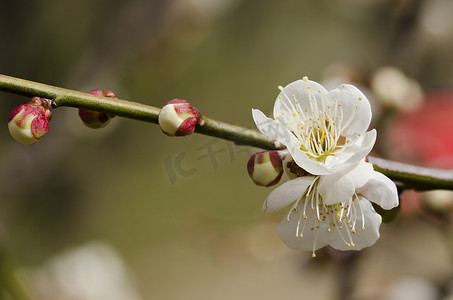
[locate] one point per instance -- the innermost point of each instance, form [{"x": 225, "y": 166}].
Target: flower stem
[{"x": 412, "y": 176}]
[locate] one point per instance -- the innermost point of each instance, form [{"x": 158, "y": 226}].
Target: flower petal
[
  {"x": 380, "y": 190},
  {"x": 287, "y": 193},
  {"x": 297, "y": 95},
  {"x": 363, "y": 237},
  {"x": 299, "y": 233},
  {"x": 334, "y": 163},
  {"x": 270, "y": 127},
  {"x": 302, "y": 160},
  {"x": 341, "y": 186},
  {"x": 361, "y": 148},
  {"x": 356, "y": 109}
]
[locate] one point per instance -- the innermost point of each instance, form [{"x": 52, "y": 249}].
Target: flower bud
[
  {"x": 394, "y": 89},
  {"x": 29, "y": 122},
  {"x": 439, "y": 201},
  {"x": 265, "y": 168},
  {"x": 96, "y": 119},
  {"x": 178, "y": 118}
]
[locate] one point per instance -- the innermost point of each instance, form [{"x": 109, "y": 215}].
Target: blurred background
[{"x": 126, "y": 212}]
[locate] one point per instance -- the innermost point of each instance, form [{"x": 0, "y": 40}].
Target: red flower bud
[
  {"x": 29, "y": 122},
  {"x": 265, "y": 168},
  {"x": 95, "y": 119},
  {"x": 178, "y": 118}
]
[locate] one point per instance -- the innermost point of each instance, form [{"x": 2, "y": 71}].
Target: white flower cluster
[{"x": 326, "y": 136}]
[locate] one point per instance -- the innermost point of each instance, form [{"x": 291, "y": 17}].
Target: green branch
[
  {"x": 419, "y": 178},
  {"x": 412, "y": 176}
]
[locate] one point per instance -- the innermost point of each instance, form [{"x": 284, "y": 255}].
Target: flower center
[
  {"x": 317, "y": 128},
  {"x": 314, "y": 215}
]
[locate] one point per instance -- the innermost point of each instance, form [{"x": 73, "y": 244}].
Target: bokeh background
[{"x": 126, "y": 212}]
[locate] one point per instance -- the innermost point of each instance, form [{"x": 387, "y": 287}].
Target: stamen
[
  {"x": 314, "y": 245},
  {"x": 305, "y": 206},
  {"x": 341, "y": 235},
  {"x": 298, "y": 225},
  {"x": 361, "y": 212}
]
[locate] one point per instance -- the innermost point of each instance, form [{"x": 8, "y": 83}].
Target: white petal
[
  {"x": 380, "y": 190},
  {"x": 352, "y": 155},
  {"x": 270, "y": 127},
  {"x": 302, "y": 91},
  {"x": 302, "y": 160},
  {"x": 362, "y": 238},
  {"x": 340, "y": 186},
  {"x": 356, "y": 108},
  {"x": 361, "y": 148},
  {"x": 287, "y": 193},
  {"x": 287, "y": 231}
]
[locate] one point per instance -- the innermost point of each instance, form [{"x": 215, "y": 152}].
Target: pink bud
[
  {"x": 178, "y": 118},
  {"x": 265, "y": 168},
  {"x": 29, "y": 122},
  {"x": 94, "y": 119}
]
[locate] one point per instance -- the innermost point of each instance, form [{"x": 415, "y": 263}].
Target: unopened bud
[
  {"x": 439, "y": 201},
  {"x": 394, "y": 89},
  {"x": 95, "y": 119},
  {"x": 265, "y": 168},
  {"x": 29, "y": 122},
  {"x": 178, "y": 118}
]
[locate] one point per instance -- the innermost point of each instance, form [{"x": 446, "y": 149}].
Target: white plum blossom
[
  {"x": 323, "y": 131},
  {"x": 332, "y": 188},
  {"x": 334, "y": 209}
]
